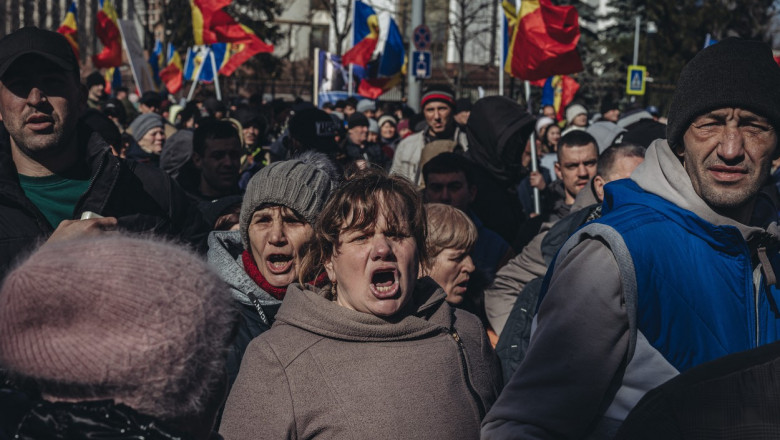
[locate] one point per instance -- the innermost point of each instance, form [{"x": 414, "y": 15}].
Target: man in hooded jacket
[
  {"x": 680, "y": 270},
  {"x": 498, "y": 129}
]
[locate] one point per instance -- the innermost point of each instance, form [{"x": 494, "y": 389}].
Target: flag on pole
[
  {"x": 107, "y": 31},
  {"x": 155, "y": 61},
  {"x": 558, "y": 91},
  {"x": 389, "y": 60},
  {"x": 239, "y": 52},
  {"x": 171, "y": 75},
  {"x": 365, "y": 35},
  {"x": 202, "y": 54},
  {"x": 544, "y": 41},
  {"x": 113, "y": 80},
  {"x": 69, "y": 28},
  {"x": 211, "y": 25}
]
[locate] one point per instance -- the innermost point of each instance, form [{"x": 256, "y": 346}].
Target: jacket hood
[
  {"x": 662, "y": 174},
  {"x": 224, "y": 255},
  {"x": 311, "y": 309},
  {"x": 497, "y": 131}
]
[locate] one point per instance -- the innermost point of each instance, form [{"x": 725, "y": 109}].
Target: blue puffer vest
[{"x": 696, "y": 299}]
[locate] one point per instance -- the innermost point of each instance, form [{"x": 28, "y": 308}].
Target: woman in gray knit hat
[{"x": 261, "y": 259}]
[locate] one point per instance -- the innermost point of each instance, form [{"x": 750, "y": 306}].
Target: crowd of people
[{"x": 251, "y": 269}]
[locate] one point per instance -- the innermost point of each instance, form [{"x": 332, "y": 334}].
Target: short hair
[
  {"x": 610, "y": 156},
  {"x": 448, "y": 228},
  {"x": 151, "y": 99},
  {"x": 446, "y": 163},
  {"x": 576, "y": 138},
  {"x": 211, "y": 128},
  {"x": 356, "y": 205}
]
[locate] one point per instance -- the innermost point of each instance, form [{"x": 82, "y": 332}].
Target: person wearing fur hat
[
  {"x": 681, "y": 268},
  {"x": 113, "y": 337},
  {"x": 258, "y": 262},
  {"x": 438, "y": 106},
  {"x": 576, "y": 118}
]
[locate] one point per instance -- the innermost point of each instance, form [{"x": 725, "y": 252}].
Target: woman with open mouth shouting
[
  {"x": 262, "y": 258},
  {"x": 378, "y": 353}
]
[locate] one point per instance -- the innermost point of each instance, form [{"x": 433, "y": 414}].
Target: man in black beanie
[
  {"x": 438, "y": 107},
  {"x": 678, "y": 271}
]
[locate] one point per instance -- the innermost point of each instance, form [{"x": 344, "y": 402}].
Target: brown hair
[
  {"x": 448, "y": 228},
  {"x": 356, "y": 205}
]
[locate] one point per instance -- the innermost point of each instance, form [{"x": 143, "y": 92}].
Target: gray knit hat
[
  {"x": 302, "y": 184},
  {"x": 143, "y": 123},
  {"x": 732, "y": 73}
]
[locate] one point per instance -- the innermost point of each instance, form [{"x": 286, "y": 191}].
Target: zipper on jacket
[
  {"x": 464, "y": 364},
  {"x": 84, "y": 196}
]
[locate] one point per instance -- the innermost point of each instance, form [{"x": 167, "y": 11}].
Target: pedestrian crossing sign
[{"x": 635, "y": 82}]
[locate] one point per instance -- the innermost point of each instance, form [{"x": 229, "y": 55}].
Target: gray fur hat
[{"x": 302, "y": 184}]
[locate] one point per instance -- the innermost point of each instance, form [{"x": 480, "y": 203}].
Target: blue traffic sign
[
  {"x": 635, "y": 81},
  {"x": 422, "y": 37},
  {"x": 421, "y": 63}
]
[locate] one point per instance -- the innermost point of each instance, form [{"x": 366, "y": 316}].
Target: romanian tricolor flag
[
  {"x": 107, "y": 30},
  {"x": 558, "y": 91},
  {"x": 544, "y": 41},
  {"x": 69, "y": 28},
  {"x": 210, "y": 24},
  {"x": 365, "y": 34},
  {"x": 171, "y": 75}
]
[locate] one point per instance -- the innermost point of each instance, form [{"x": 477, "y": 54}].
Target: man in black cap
[
  {"x": 54, "y": 169},
  {"x": 438, "y": 106},
  {"x": 95, "y": 86},
  {"x": 680, "y": 270}
]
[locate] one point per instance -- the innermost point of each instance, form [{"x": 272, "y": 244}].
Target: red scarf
[{"x": 253, "y": 271}]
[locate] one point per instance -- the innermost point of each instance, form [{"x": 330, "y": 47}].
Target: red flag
[
  {"x": 108, "y": 31},
  {"x": 544, "y": 42},
  {"x": 171, "y": 75},
  {"x": 239, "y": 52}
]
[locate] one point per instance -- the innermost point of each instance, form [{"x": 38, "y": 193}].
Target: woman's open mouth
[
  {"x": 279, "y": 263},
  {"x": 384, "y": 283}
]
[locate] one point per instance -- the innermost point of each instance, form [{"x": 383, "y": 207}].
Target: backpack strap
[{"x": 625, "y": 263}]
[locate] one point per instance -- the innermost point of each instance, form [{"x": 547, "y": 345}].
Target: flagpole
[
  {"x": 216, "y": 76},
  {"x": 350, "y": 87},
  {"x": 501, "y": 51},
  {"x": 534, "y": 168},
  {"x": 316, "y": 97},
  {"x": 196, "y": 79}
]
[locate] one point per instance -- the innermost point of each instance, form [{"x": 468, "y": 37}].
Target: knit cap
[
  {"x": 95, "y": 79},
  {"x": 131, "y": 318},
  {"x": 373, "y": 127},
  {"x": 357, "y": 119},
  {"x": 143, "y": 123},
  {"x": 387, "y": 118},
  {"x": 543, "y": 122},
  {"x": 303, "y": 185},
  {"x": 366, "y": 105},
  {"x": 438, "y": 93},
  {"x": 732, "y": 73},
  {"x": 573, "y": 111}
]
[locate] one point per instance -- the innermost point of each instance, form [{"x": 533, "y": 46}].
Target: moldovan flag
[
  {"x": 202, "y": 13},
  {"x": 390, "y": 60},
  {"x": 544, "y": 41},
  {"x": 69, "y": 28},
  {"x": 240, "y": 51},
  {"x": 365, "y": 34},
  {"x": 108, "y": 31},
  {"x": 171, "y": 75},
  {"x": 558, "y": 91},
  {"x": 113, "y": 79}
]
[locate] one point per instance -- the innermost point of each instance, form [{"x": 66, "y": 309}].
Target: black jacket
[{"x": 141, "y": 197}]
